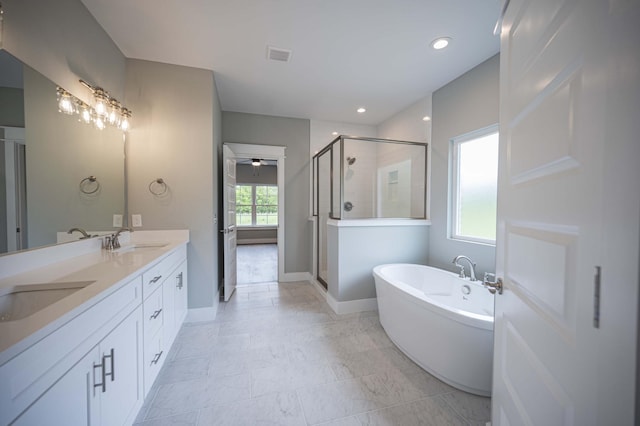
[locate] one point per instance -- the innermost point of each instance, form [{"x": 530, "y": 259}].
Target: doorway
[
  {"x": 259, "y": 215},
  {"x": 256, "y": 220}
]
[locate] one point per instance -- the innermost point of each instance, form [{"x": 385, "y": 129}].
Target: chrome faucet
[
  {"x": 111, "y": 242},
  {"x": 82, "y": 231},
  {"x": 472, "y": 267}
]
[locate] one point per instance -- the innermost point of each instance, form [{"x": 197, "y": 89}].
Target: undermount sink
[
  {"x": 142, "y": 246},
  {"x": 21, "y": 301}
]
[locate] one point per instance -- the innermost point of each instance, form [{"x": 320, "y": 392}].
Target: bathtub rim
[{"x": 485, "y": 322}]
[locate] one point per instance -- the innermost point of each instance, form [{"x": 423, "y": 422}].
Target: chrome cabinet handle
[
  {"x": 102, "y": 385},
  {"x": 155, "y": 314},
  {"x": 155, "y": 279},
  {"x": 179, "y": 279},
  {"x": 156, "y": 358},
  {"x": 112, "y": 374}
]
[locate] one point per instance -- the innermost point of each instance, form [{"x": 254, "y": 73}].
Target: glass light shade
[
  {"x": 124, "y": 122},
  {"x": 99, "y": 123},
  {"x": 85, "y": 113},
  {"x": 101, "y": 102},
  {"x": 255, "y": 162},
  {"x": 114, "y": 113},
  {"x": 65, "y": 102}
]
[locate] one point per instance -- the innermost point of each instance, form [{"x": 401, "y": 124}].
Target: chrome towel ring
[
  {"x": 158, "y": 187},
  {"x": 89, "y": 185}
]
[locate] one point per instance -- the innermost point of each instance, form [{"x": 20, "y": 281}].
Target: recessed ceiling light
[
  {"x": 426, "y": 118},
  {"x": 334, "y": 133},
  {"x": 440, "y": 43},
  {"x": 361, "y": 110}
]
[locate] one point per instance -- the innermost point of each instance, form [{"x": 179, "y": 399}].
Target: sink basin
[
  {"x": 20, "y": 301},
  {"x": 142, "y": 246}
]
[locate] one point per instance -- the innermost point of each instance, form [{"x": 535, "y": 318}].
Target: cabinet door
[
  {"x": 180, "y": 300},
  {"x": 71, "y": 400},
  {"x": 121, "y": 354},
  {"x": 168, "y": 301}
]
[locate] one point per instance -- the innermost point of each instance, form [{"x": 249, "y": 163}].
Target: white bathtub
[{"x": 428, "y": 315}]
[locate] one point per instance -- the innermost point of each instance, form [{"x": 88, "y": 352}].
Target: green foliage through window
[{"x": 256, "y": 205}]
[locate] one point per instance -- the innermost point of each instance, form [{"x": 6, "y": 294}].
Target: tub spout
[{"x": 472, "y": 267}]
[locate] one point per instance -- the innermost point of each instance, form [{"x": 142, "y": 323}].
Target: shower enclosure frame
[{"x": 316, "y": 195}]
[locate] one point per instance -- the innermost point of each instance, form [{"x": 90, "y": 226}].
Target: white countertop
[{"x": 108, "y": 270}]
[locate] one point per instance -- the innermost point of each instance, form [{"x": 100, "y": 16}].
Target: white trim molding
[
  {"x": 352, "y": 306},
  {"x": 294, "y": 276},
  {"x": 269, "y": 152}
]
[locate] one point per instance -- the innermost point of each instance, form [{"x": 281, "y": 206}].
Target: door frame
[{"x": 268, "y": 152}]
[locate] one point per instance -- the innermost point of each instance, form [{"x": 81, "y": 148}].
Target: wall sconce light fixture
[{"x": 106, "y": 110}]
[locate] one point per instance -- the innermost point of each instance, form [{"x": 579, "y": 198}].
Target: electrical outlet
[
  {"x": 117, "y": 220},
  {"x": 136, "y": 220}
]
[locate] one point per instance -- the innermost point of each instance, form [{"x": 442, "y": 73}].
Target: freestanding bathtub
[{"x": 442, "y": 322}]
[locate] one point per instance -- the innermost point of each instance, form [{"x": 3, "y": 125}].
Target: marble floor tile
[
  {"x": 277, "y": 354},
  {"x": 185, "y": 419},
  {"x": 425, "y": 412},
  {"x": 182, "y": 370},
  {"x": 257, "y": 263},
  {"x": 289, "y": 376},
  {"x": 476, "y": 409},
  {"x": 182, "y": 397},
  {"x": 275, "y": 409},
  {"x": 345, "y": 398}
]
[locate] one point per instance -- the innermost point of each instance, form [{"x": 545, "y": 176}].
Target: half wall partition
[{"x": 360, "y": 178}]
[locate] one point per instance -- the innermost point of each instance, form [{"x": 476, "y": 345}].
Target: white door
[
  {"x": 229, "y": 231},
  {"x": 567, "y": 154}
]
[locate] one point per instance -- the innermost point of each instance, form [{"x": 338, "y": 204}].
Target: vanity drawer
[
  {"x": 153, "y": 312},
  {"x": 155, "y": 276},
  {"x": 154, "y": 354}
]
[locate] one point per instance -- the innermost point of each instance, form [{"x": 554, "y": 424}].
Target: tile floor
[
  {"x": 257, "y": 263},
  {"x": 277, "y": 355}
]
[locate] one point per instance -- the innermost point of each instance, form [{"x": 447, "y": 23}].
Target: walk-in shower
[{"x": 367, "y": 178}]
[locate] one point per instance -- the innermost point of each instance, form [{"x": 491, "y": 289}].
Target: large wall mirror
[{"x": 46, "y": 160}]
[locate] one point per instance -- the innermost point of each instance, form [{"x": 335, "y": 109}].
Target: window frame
[
  {"x": 253, "y": 205},
  {"x": 454, "y": 188}
]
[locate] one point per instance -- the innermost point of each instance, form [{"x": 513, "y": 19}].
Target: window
[
  {"x": 256, "y": 205},
  {"x": 474, "y": 183}
]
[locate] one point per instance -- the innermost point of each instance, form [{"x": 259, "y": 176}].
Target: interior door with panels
[{"x": 548, "y": 342}]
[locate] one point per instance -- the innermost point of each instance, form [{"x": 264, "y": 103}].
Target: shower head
[{"x": 351, "y": 160}]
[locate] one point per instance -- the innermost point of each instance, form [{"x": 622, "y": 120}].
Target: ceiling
[{"x": 345, "y": 53}]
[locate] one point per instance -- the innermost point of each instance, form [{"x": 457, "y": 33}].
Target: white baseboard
[
  {"x": 295, "y": 276},
  {"x": 352, "y": 306},
  {"x": 203, "y": 314},
  {"x": 257, "y": 241}
]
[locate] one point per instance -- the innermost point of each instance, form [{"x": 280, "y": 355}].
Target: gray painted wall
[
  {"x": 11, "y": 107},
  {"x": 63, "y": 41},
  {"x": 361, "y": 248},
  {"x": 174, "y": 136},
  {"x": 294, "y": 134},
  {"x": 264, "y": 174},
  {"x": 466, "y": 104},
  {"x": 60, "y": 153}
]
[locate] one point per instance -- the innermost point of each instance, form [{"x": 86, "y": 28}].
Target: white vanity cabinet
[
  {"x": 101, "y": 389},
  {"x": 164, "y": 308},
  {"x": 88, "y": 371}
]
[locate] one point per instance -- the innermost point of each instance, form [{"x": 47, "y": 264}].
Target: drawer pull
[
  {"x": 155, "y": 314},
  {"x": 179, "y": 280},
  {"x": 155, "y": 279},
  {"x": 156, "y": 358},
  {"x": 111, "y": 356},
  {"x": 102, "y": 385}
]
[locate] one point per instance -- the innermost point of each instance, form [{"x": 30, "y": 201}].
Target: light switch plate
[
  {"x": 136, "y": 220},
  {"x": 117, "y": 220}
]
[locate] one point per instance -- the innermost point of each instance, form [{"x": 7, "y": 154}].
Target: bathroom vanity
[{"x": 84, "y": 335}]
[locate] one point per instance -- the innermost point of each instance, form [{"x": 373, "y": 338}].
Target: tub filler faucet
[{"x": 472, "y": 267}]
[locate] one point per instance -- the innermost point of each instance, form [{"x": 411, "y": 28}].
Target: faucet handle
[
  {"x": 461, "y": 274},
  {"x": 106, "y": 242}
]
